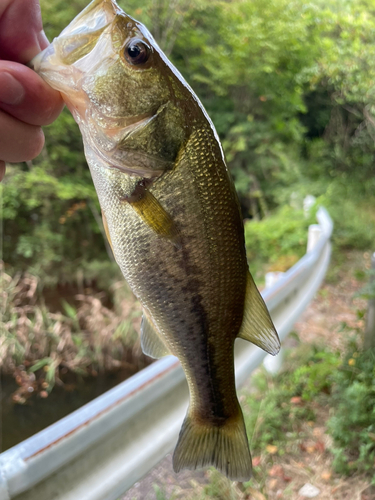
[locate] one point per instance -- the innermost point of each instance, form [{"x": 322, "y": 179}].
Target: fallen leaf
[
  {"x": 272, "y": 449},
  {"x": 276, "y": 471},
  {"x": 272, "y": 484},
  {"x": 310, "y": 449},
  {"x": 256, "y": 461},
  {"x": 320, "y": 446},
  {"x": 296, "y": 400},
  {"x": 326, "y": 475}
]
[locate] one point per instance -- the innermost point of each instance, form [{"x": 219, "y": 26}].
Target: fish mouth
[
  {"x": 82, "y": 34},
  {"x": 97, "y": 15},
  {"x": 62, "y": 63}
]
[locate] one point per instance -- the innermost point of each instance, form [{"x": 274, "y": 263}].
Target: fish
[{"x": 172, "y": 217}]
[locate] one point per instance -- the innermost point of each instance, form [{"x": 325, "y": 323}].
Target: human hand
[{"x": 26, "y": 101}]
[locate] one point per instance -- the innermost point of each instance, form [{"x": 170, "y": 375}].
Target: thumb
[{"x": 21, "y": 17}]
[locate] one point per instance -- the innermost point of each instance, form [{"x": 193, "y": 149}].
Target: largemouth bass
[{"x": 171, "y": 215}]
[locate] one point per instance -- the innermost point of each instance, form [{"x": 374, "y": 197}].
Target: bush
[
  {"x": 353, "y": 217},
  {"x": 278, "y": 240},
  {"x": 352, "y": 424}
]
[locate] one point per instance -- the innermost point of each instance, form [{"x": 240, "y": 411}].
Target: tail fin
[{"x": 225, "y": 447}]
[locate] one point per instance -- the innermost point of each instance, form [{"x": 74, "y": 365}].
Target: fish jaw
[{"x": 64, "y": 63}]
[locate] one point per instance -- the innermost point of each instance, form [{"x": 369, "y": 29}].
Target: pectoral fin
[
  {"x": 257, "y": 326},
  {"x": 155, "y": 216},
  {"x": 151, "y": 343}
]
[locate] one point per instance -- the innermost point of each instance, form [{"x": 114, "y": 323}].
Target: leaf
[
  {"x": 41, "y": 363},
  {"x": 296, "y": 400},
  {"x": 276, "y": 471},
  {"x": 70, "y": 311},
  {"x": 272, "y": 449},
  {"x": 272, "y": 484},
  {"x": 326, "y": 475},
  {"x": 320, "y": 446}
]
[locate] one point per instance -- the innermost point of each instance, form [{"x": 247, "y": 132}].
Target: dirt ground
[{"x": 307, "y": 473}]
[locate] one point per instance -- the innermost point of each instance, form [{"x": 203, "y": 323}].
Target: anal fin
[
  {"x": 257, "y": 326},
  {"x": 151, "y": 343}
]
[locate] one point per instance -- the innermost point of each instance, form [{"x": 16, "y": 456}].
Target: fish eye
[{"x": 136, "y": 51}]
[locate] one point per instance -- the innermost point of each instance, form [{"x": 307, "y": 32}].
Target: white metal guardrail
[{"x": 103, "y": 448}]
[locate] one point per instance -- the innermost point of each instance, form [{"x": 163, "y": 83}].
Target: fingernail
[
  {"x": 43, "y": 40},
  {"x": 11, "y": 91}
]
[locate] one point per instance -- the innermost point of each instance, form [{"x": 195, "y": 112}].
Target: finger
[
  {"x": 21, "y": 30},
  {"x": 26, "y": 96},
  {"x": 19, "y": 141},
  {"x": 2, "y": 170}
]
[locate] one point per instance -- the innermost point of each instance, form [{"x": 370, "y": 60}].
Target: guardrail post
[
  {"x": 369, "y": 340},
  {"x": 313, "y": 236}
]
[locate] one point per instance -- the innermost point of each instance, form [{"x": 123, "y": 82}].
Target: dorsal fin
[
  {"x": 257, "y": 326},
  {"x": 151, "y": 343}
]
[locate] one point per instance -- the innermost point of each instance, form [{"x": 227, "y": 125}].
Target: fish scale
[{"x": 171, "y": 215}]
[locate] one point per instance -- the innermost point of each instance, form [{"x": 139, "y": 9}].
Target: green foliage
[
  {"x": 353, "y": 217},
  {"x": 368, "y": 291},
  {"x": 352, "y": 424},
  {"x": 276, "y": 409},
  {"x": 279, "y": 239},
  {"x": 289, "y": 86},
  {"x": 49, "y": 209},
  {"x": 273, "y": 415},
  {"x": 317, "y": 375}
]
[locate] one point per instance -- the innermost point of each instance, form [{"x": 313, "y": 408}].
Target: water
[{"x": 18, "y": 422}]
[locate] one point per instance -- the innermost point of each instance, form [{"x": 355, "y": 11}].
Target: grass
[{"x": 85, "y": 338}]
